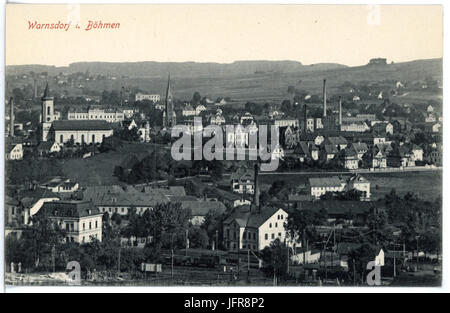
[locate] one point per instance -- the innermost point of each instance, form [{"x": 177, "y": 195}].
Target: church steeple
[
  {"x": 46, "y": 95},
  {"x": 169, "y": 116}
]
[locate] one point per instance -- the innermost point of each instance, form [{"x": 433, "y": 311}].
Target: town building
[
  {"x": 58, "y": 185},
  {"x": 199, "y": 210},
  {"x": 350, "y": 158},
  {"x": 199, "y": 109},
  {"x": 151, "y": 97},
  {"x": 48, "y": 148},
  {"x": 360, "y": 148},
  {"x": 321, "y": 185},
  {"x": 252, "y": 228},
  {"x": 242, "y": 181},
  {"x": 47, "y": 114},
  {"x": 92, "y": 113},
  {"x": 358, "y": 182},
  {"x": 80, "y": 132},
  {"x": 188, "y": 110},
  {"x": 80, "y": 219},
  {"x": 285, "y": 122},
  {"x": 14, "y": 151}
]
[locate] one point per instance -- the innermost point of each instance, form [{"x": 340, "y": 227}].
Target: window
[
  {"x": 276, "y": 225},
  {"x": 48, "y": 110},
  {"x": 266, "y": 236},
  {"x": 61, "y": 139},
  {"x": 84, "y": 226},
  {"x": 82, "y": 138},
  {"x": 90, "y": 225},
  {"x": 273, "y": 236},
  {"x": 93, "y": 138},
  {"x": 96, "y": 224},
  {"x": 279, "y": 234},
  {"x": 270, "y": 225}
]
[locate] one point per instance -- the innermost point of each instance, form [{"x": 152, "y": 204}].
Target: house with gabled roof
[
  {"x": 81, "y": 220},
  {"x": 360, "y": 148},
  {"x": 328, "y": 152},
  {"x": 250, "y": 227},
  {"x": 242, "y": 181},
  {"x": 350, "y": 158},
  {"x": 339, "y": 142},
  {"x": 360, "y": 183},
  {"x": 14, "y": 151},
  {"x": 48, "y": 147},
  {"x": 321, "y": 185}
]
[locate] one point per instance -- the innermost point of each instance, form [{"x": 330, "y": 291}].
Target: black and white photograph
[{"x": 223, "y": 145}]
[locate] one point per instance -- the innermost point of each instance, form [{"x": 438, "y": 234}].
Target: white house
[
  {"x": 417, "y": 153},
  {"x": 242, "y": 181},
  {"x": 152, "y": 97},
  {"x": 252, "y": 228},
  {"x": 80, "y": 219},
  {"x": 360, "y": 183},
  {"x": 14, "y": 152},
  {"x": 321, "y": 185},
  {"x": 199, "y": 109},
  {"x": 188, "y": 110}
]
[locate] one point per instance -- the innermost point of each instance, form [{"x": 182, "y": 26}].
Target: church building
[{"x": 62, "y": 131}]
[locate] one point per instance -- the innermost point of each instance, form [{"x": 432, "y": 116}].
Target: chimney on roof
[
  {"x": 256, "y": 191},
  {"x": 324, "y": 98},
  {"x": 340, "y": 111}
]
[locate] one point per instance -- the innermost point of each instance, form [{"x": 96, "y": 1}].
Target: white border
[{"x": 446, "y": 178}]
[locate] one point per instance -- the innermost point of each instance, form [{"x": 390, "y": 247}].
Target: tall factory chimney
[
  {"x": 34, "y": 88},
  {"x": 305, "y": 117},
  {"x": 324, "y": 98},
  {"x": 340, "y": 111},
  {"x": 11, "y": 117},
  {"x": 256, "y": 191}
]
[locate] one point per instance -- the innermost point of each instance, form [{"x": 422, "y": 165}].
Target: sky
[{"x": 345, "y": 34}]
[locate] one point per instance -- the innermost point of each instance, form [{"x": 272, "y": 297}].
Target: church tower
[
  {"x": 169, "y": 114},
  {"x": 47, "y": 113}
]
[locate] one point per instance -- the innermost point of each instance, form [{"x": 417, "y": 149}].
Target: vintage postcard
[{"x": 223, "y": 145}]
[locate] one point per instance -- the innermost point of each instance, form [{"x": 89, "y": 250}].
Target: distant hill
[{"x": 180, "y": 69}]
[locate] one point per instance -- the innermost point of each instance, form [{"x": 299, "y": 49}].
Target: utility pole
[
  {"x": 287, "y": 248},
  {"x": 354, "y": 273},
  {"x": 394, "y": 262},
  {"x": 118, "y": 261},
  {"x": 172, "y": 256},
  {"x": 53, "y": 257},
  {"x": 217, "y": 239},
  {"x": 248, "y": 265},
  {"x": 187, "y": 241}
]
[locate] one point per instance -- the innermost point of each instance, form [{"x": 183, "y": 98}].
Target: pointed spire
[
  {"x": 46, "y": 92},
  {"x": 169, "y": 88}
]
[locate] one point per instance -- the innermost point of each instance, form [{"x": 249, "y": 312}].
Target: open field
[
  {"x": 99, "y": 169},
  {"x": 426, "y": 184},
  {"x": 269, "y": 87}
]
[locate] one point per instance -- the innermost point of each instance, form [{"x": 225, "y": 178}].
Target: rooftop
[
  {"x": 332, "y": 181},
  {"x": 81, "y": 125},
  {"x": 69, "y": 209}
]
